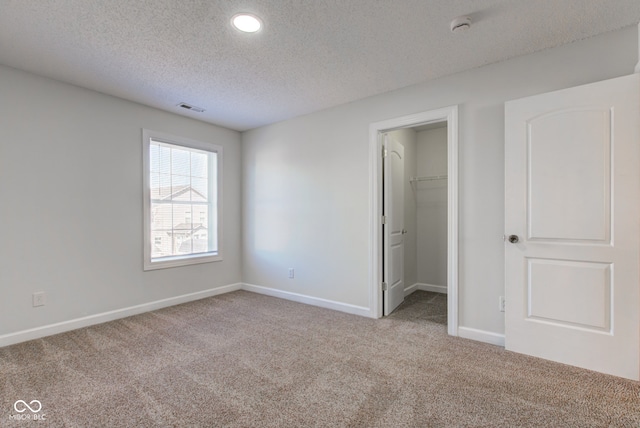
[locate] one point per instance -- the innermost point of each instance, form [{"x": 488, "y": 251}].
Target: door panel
[
  {"x": 569, "y": 293},
  {"x": 572, "y": 191},
  {"x": 394, "y": 227},
  {"x": 569, "y": 151}
]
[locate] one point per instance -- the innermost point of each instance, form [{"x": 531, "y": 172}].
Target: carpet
[{"x": 248, "y": 360}]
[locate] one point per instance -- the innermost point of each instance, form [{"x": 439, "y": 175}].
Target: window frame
[{"x": 182, "y": 260}]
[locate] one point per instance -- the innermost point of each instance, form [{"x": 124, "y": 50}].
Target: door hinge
[
  {"x": 384, "y": 286},
  {"x": 384, "y": 152},
  {"x": 384, "y": 219}
]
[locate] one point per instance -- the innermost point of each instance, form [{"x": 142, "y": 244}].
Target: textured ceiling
[{"x": 310, "y": 55}]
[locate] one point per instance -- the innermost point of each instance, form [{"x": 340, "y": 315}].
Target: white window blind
[{"x": 182, "y": 221}]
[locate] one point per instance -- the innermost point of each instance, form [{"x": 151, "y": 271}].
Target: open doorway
[
  {"x": 422, "y": 241},
  {"x": 414, "y": 210}
]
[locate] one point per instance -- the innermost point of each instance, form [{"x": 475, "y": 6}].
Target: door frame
[{"x": 376, "y": 129}]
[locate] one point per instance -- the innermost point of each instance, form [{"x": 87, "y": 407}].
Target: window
[{"x": 182, "y": 182}]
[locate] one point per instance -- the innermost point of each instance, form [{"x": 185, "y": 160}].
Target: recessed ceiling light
[{"x": 246, "y": 22}]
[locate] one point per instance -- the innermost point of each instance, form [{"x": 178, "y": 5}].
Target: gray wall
[
  {"x": 71, "y": 203},
  {"x": 431, "y": 207},
  {"x": 306, "y": 187}
]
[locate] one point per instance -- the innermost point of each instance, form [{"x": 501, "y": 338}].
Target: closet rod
[{"x": 429, "y": 178}]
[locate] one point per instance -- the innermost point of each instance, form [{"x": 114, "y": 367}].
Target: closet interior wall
[{"x": 431, "y": 207}]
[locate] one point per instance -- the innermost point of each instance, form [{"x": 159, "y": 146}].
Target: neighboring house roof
[
  {"x": 188, "y": 227},
  {"x": 176, "y": 192}
]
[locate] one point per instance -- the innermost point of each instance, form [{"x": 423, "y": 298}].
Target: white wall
[
  {"x": 306, "y": 187},
  {"x": 431, "y": 207},
  {"x": 71, "y": 203}
]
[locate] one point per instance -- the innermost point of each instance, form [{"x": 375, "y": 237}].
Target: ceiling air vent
[{"x": 190, "y": 107}]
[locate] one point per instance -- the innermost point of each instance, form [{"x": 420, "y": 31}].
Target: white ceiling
[{"x": 310, "y": 55}]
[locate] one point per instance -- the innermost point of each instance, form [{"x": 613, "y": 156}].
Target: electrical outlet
[
  {"x": 38, "y": 298},
  {"x": 291, "y": 273},
  {"x": 502, "y": 304}
]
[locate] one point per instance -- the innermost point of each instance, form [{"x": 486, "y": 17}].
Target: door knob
[
  {"x": 514, "y": 239},
  {"x": 404, "y": 231}
]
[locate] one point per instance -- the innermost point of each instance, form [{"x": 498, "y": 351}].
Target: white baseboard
[
  {"x": 425, "y": 287},
  {"x": 309, "y": 300},
  {"x": 61, "y": 327},
  {"x": 410, "y": 289},
  {"x": 481, "y": 336}
]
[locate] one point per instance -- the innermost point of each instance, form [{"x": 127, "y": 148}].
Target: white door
[
  {"x": 394, "y": 224},
  {"x": 572, "y": 190}
]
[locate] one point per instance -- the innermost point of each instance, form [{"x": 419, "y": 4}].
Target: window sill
[{"x": 169, "y": 262}]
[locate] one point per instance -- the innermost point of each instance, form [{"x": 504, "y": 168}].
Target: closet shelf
[{"x": 428, "y": 178}]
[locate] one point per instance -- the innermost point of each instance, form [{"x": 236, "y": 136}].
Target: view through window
[{"x": 182, "y": 206}]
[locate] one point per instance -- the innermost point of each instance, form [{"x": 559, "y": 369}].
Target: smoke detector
[{"x": 460, "y": 24}]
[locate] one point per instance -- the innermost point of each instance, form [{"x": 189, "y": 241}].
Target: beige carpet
[{"x": 246, "y": 360}]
